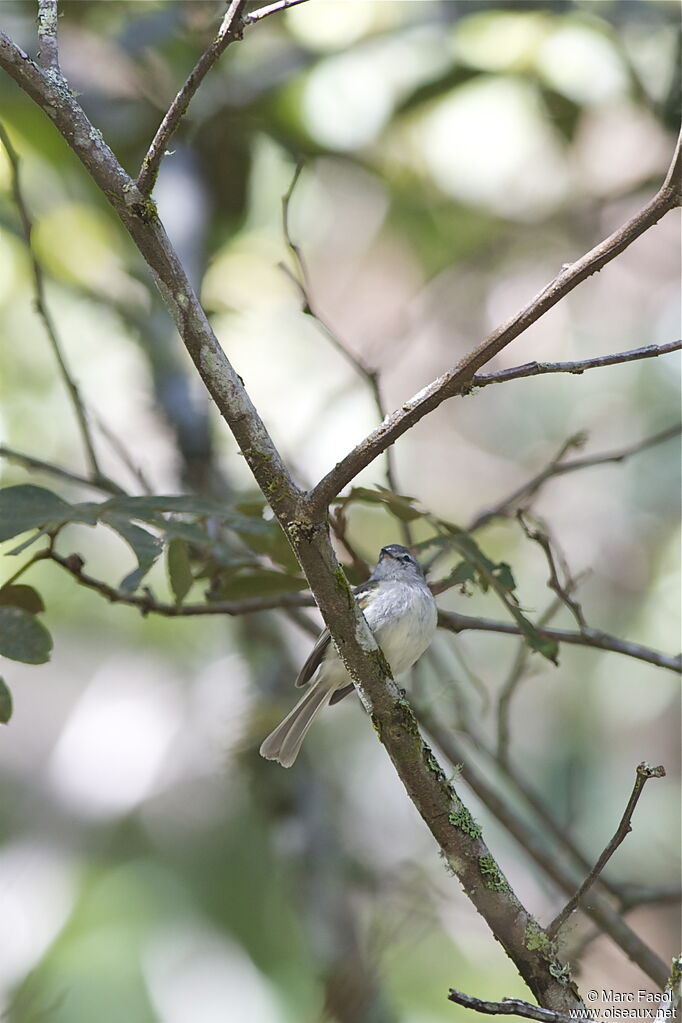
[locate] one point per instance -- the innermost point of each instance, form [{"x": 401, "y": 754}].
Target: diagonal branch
[
  {"x": 29, "y": 462},
  {"x": 230, "y": 29},
  {"x": 459, "y": 379},
  {"x": 598, "y": 908},
  {"x": 644, "y": 773},
  {"x": 534, "y": 369},
  {"x": 561, "y": 590},
  {"x": 557, "y": 467}
]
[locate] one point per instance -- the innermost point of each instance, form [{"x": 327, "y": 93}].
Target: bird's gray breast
[{"x": 403, "y": 618}]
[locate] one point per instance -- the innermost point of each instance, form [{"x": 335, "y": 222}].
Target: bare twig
[
  {"x": 120, "y": 449},
  {"x": 644, "y": 773},
  {"x": 557, "y": 467},
  {"x": 590, "y": 637},
  {"x": 264, "y": 12},
  {"x": 337, "y": 521},
  {"x": 42, "y": 308},
  {"x": 534, "y": 369},
  {"x": 447, "y": 620},
  {"x": 598, "y": 908},
  {"x": 510, "y": 1007},
  {"x": 48, "y": 53},
  {"x": 370, "y": 376},
  {"x": 562, "y": 590},
  {"x": 230, "y": 29},
  {"x": 459, "y": 379},
  {"x": 29, "y": 462},
  {"x": 147, "y": 604},
  {"x": 528, "y": 796}
]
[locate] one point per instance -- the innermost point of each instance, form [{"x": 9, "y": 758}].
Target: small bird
[{"x": 401, "y": 612}]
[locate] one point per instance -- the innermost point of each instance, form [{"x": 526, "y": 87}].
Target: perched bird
[{"x": 400, "y": 611}]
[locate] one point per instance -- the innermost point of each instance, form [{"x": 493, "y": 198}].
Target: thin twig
[
  {"x": 337, "y": 521},
  {"x": 598, "y": 908},
  {"x": 42, "y": 308},
  {"x": 518, "y": 784},
  {"x": 120, "y": 449},
  {"x": 147, "y": 604},
  {"x": 370, "y": 376},
  {"x": 264, "y": 12},
  {"x": 230, "y": 29},
  {"x": 454, "y": 622},
  {"x": 102, "y": 483},
  {"x": 644, "y": 773},
  {"x": 510, "y": 1007},
  {"x": 562, "y": 590},
  {"x": 557, "y": 467},
  {"x": 534, "y": 369},
  {"x": 458, "y": 379},
  {"x": 448, "y": 620},
  {"x": 48, "y": 52}
]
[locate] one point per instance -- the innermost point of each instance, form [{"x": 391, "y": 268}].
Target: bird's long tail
[{"x": 284, "y": 743}]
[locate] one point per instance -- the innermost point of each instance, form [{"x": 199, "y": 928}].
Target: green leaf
[
  {"x": 261, "y": 583},
  {"x": 145, "y": 547},
  {"x": 5, "y": 702},
  {"x": 487, "y": 574},
  {"x": 398, "y": 504},
  {"x": 20, "y": 595},
  {"x": 147, "y": 509},
  {"x": 27, "y": 507},
  {"x": 179, "y": 569},
  {"x": 23, "y": 637},
  {"x": 461, "y": 574}
]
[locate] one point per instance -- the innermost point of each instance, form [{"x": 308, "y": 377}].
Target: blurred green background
[{"x": 456, "y": 154}]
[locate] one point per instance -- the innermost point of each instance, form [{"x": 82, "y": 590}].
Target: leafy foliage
[
  {"x": 23, "y": 637},
  {"x": 5, "y": 703}
]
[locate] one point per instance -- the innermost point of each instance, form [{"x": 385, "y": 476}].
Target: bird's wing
[
  {"x": 324, "y": 639},
  {"x": 341, "y": 693},
  {"x": 315, "y": 658}
]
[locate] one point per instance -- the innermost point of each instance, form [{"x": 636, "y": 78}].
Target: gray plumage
[{"x": 400, "y": 611}]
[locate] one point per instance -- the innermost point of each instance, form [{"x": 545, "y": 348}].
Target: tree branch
[
  {"x": 454, "y": 622},
  {"x": 510, "y": 1007},
  {"x": 554, "y": 583},
  {"x": 38, "y": 280},
  {"x": 534, "y": 369},
  {"x": 230, "y": 29},
  {"x": 458, "y": 380},
  {"x": 48, "y": 53},
  {"x": 103, "y": 484},
  {"x": 644, "y": 773},
  {"x": 599, "y": 908},
  {"x": 557, "y": 467},
  {"x": 148, "y": 604},
  {"x": 448, "y": 620},
  {"x": 274, "y": 8}
]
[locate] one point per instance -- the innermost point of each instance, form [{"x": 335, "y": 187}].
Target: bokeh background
[{"x": 456, "y": 154}]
